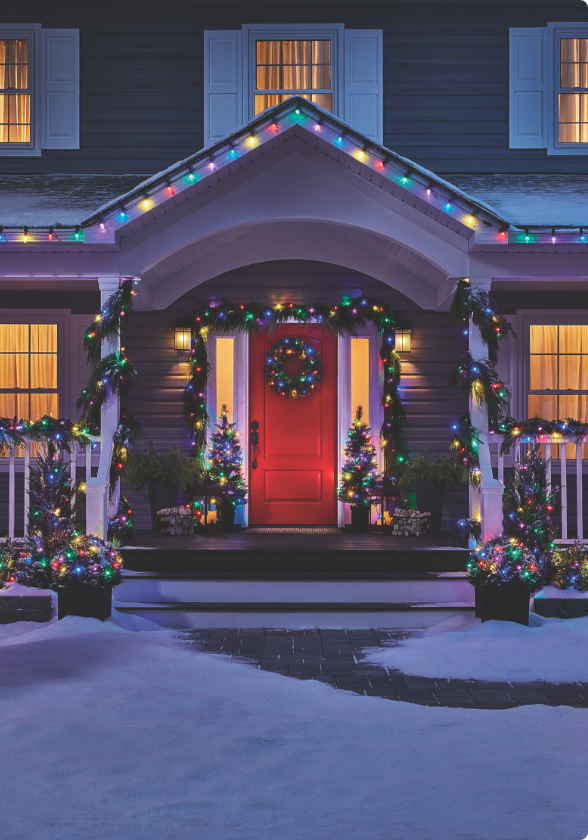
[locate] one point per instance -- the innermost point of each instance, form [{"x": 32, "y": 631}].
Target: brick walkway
[{"x": 335, "y": 657}]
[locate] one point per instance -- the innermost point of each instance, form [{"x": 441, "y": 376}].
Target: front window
[
  {"x": 558, "y": 381},
  {"x": 15, "y": 92},
  {"x": 285, "y": 68},
  {"x": 28, "y": 371}
]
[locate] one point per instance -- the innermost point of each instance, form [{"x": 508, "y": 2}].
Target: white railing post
[
  {"x": 579, "y": 512},
  {"x": 490, "y": 490},
  {"x": 11, "y": 489},
  {"x": 97, "y": 489},
  {"x": 564, "y": 493}
]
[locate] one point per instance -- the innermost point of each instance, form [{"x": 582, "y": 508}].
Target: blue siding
[{"x": 445, "y": 79}]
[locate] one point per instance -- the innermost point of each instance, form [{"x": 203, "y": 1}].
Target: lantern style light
[
  {"x": 182, "y": 340},
  {"x": 403, "y": 341}
]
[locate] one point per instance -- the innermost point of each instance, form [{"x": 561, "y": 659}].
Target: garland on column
[
  {"x": 479, "y": 380},
  {"x": 351, "y": 315},
  {"x": 465, "y": 445},
  {"x": 108, "y": 320},
  {"x": 113, "y": 374},
  {"x": 471, "y": 302}
]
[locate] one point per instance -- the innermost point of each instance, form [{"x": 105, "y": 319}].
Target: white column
[
  {"x": 487, "y": 503},
  {"x": 97, "y": 489}
]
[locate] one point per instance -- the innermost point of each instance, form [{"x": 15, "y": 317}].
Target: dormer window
[
  {"x": 15, "y": 91},
  {"x": 285, "y": 68}
]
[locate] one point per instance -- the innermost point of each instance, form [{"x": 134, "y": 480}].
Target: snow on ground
[
  {"x": 107, "y": 733},
  {"x": 550, "y": 649}
]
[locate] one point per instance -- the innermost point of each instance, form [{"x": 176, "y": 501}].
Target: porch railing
[
  {"x": 567, "y": 464},
  {"x": 22, "y": 463}
]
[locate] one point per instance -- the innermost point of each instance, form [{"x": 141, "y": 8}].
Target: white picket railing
[
  {"x": 568, "y": 464},
  {"x": 79, "y": 454}
]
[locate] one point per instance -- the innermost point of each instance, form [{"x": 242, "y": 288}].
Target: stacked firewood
[
  {"x": 410, "y": 523},
  {"x": 176, "y": 520}
]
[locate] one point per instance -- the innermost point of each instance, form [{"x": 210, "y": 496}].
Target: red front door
[{"x": 294, "y": 483}]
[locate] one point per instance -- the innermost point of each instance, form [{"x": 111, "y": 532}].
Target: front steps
[{"x": 415, "y": 600}]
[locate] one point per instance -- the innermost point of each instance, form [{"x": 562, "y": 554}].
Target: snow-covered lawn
[
  {"x": 550, "y": 649},
  {"x": 110, "y": 733}
]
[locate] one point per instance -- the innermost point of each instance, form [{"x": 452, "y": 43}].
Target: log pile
[
  {"x": 176, "y": 521},
  {"x": 410, "y": 523}
]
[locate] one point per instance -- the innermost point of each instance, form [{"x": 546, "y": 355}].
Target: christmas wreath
[{"x": 305, "y": 379}]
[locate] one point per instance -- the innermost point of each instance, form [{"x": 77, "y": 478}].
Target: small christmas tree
[
  {"x": 531, "y": 505},
  {"x": 358, "y": 475},
  {"x": 51, "y": 520},
  {"x": 226, "y": 462}
]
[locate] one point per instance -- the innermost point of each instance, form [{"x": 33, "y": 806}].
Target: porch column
[
  {"x": 486, "y": 501},
  {"x": 97, "y": 489}
]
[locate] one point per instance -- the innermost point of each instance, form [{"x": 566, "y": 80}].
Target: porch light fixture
[
  {"x": 403, "y": 341},
  {"x": 182, "y": 340}
]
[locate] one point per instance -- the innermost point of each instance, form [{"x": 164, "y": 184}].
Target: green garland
[
  {"x": 471, "y": 302},
  {"x": 311, "y": 368},
  {"x": 465, "y": 445},
  {"x": 479, "y": 380},
  {"x": 108, "y": 320},
  {"x": 62, "y": 432},
  {"x": 348, "y": 317},
  {"x": 113, "y": 375},
  {"x": 533, "y": 430},
  {"x": 129, "y": 431}
]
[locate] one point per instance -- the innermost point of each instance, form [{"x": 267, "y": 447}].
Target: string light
[{"x": 25, "y": 236}]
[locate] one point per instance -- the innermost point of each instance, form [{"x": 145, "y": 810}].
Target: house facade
[{"x": 303, "y": 157}]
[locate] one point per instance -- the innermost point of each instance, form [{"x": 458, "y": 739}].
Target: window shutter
[
  {"x": 364, "y": 109},
  {"x": 223, "y": 97},
  {"x": 61, "y": 89},
  {"x": 527, "y": 107}
]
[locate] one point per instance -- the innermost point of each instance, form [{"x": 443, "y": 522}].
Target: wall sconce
[
  {"x": 403, "y": 341},
  {"x": 182, "y": 341}
]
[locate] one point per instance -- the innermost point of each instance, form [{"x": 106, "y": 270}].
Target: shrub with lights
[
  {"x": 225, "y": 463},
  {"x": 569, "y": 567},
  {"x": 51, "y": 518},
  {"x": 531, "y": 504},
  {"x": 506, "y": 562},
  {"x": 121, "y": 528},
  {"x": 24, "y": 561},
  {"x": 358, "y": 475},
  {"x": 87, "y": 561}
]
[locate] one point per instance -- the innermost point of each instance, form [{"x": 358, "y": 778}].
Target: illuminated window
[
  {"x": 28, "y": 371},
  {"x": 15, "y": 91},
  {"x": 573, "y": 94},
  {"x": 225, "y": 374},
  {"x": 285, "y": 68},
  {"x": 360, "y": 377},
  {"x": 558, "y": 380}
]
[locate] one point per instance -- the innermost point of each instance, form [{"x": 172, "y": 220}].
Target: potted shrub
[
  {"x": 86, "y": 571},
  {"x": 505, "y": 573},
  {"x": 165, "y": 475},
  {"x": 225, "y": 462},
  {"x": 430, "y": 479},
  {"x": 358, "y": 475}
]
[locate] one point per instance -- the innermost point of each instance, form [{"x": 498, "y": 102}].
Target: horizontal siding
[
  {"x": 445, "y": 79},
  {"x": 437, "y": 342}
]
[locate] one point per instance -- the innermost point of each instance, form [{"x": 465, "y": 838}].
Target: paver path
[{"x": 335, "y": 657}]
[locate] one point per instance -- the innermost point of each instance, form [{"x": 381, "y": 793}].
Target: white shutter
[
  {"x": 364, "y": 109},
  {"x": 61, "y": 89},
  {"x": 223, "y": 97},
  {"x": 528, "y": 88}
]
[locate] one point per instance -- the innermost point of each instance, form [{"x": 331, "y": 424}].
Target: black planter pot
[
  {"x": 161, "y": 495},
  {"x": 429, "y": 497},
  {"x": 360, "y": 519},
  {"x": 228, "y": 519},
  {"x": 87, "y": 601},
  {"x": 502, "y": 603},
  {"x": 478, "y": 593}
]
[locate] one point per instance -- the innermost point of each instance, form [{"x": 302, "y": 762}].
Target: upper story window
[
  {"x": 284, "y": 68},
  {"x": 549, "y": 88},
  {"x": 15, "y": 92},
  {"x": 573, "y": 90},
  {"x": 39, "y": 89},
  {"x": 259, "y": 66}
]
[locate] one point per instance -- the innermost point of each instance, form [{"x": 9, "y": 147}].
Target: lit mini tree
[
  {"x": 358, "y": 475},
  {"x": 531, "y": 505},
  {"x": 51, "y": 521},
  {"x": 225, "y": 463}
]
